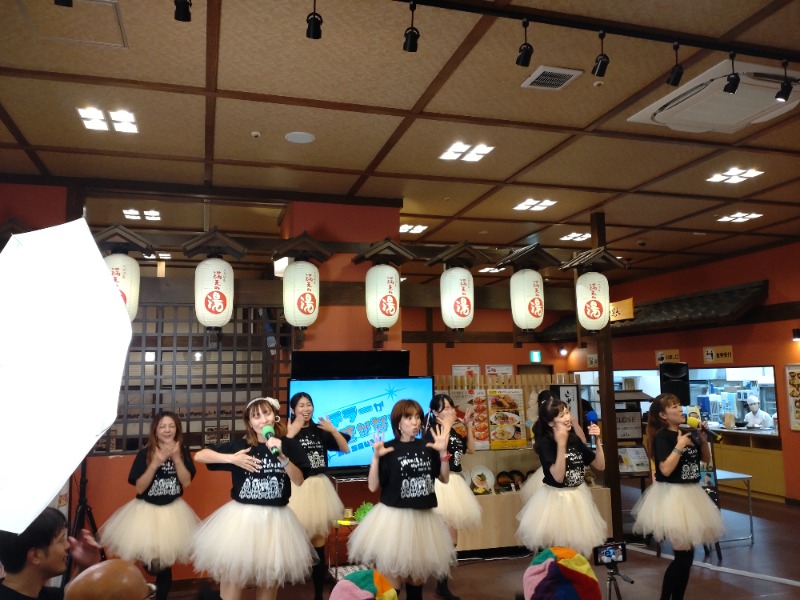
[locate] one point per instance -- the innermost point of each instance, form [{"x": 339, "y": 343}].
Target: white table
[{"x": 723, "y": 475}]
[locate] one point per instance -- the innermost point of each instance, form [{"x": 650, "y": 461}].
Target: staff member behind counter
[{"x": 757, "y": 417}]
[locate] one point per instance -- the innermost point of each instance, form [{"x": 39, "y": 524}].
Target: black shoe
[{"x": 443, "y": 591}]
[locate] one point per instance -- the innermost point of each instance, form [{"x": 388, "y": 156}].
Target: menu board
[
  {"x": 474, "y": 399},
  {"x": 506, "y": 418},
  {"x": 793, "y": 394}
]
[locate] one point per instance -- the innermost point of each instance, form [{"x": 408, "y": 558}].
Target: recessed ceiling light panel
[{"x": 300, "y": 137}]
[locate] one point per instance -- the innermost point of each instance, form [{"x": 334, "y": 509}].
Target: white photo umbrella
[{"x": 65, "y": 339}]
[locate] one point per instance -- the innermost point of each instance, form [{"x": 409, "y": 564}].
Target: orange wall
[{"x": 34, "y": 206}]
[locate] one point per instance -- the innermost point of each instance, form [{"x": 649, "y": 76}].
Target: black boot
[
  {"x": 442, "y": 591},
  {"x": 413, "y": 592},
  {"x": 318, "y": 572}
]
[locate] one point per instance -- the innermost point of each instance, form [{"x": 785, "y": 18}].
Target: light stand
[
  {"x": 613, "y": 572},
  {"x": 82, "y": 511}
]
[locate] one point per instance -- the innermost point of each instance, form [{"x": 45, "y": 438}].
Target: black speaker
[{"x": 675, "y": 380}]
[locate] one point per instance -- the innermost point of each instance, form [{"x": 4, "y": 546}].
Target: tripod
[
  {"x": 82, "y": 512},
  {"x": 612, "y": 571}
]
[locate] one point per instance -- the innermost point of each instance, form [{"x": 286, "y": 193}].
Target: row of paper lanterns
[{"x": 213, "y": 290}]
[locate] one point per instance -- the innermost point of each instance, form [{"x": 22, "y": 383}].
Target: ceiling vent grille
[
  {"x": 702, "y": 105},
  {"x": 550, "y": 78}
]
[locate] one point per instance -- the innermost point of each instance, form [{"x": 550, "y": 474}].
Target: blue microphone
[{"x": 592, "y": 418}]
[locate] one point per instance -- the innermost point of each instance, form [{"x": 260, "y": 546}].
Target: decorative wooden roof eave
[
  {"x": 595, "y": 260},
  {"x": 302, "y": 247},
  {"x": 460, "y": 255},
  {"x": 386, "y": 252},
  {"x": 214, "y": 242},
  {"x": 690, "y": 311},
  {"x": 119, "y": 239},
  {"x": 529, "y": 257}
]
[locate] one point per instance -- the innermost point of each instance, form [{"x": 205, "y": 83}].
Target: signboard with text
[
  {"x": 713, "y": 355},
  {"x": 671, "y": 355},
  {"x": 629, "y": 425}
]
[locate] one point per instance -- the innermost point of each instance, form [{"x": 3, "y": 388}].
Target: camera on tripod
[{"x": 610, "y": 553}]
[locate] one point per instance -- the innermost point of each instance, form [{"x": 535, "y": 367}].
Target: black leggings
[{"x": 676, "y": 577}]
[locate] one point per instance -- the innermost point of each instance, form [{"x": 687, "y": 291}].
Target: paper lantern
[
  {"x": 213, "y": 292},
  {"x": 457, "y": 297},
  {"x": 382, "y": 297},
  {"x": 527, "y": 299},
  {"x": 301, "y": 293},
  {"x": 592, "y": 301},
  {"x": 125, "y": 272}
]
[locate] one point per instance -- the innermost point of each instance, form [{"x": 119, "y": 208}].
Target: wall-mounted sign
[
  {"x": 671, "y": 355},
  {"x": 499, "y": 369},
  {"x": 536, "y": 356},
  {"x": 621, "y": 310},
  {"x": 592, "y": 360},
  {"x": 717, "y": 354},
  {"x": 629, "y": 425}
]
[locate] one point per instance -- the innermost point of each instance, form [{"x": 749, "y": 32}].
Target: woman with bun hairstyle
[
  {"x": 255, "y": 539},
  {"x": 316, "y": 502},
  {"x": 402, "y": 536},
  {"x": 675, "y": 507},
  {"x": 156, "y": 527},
  {"x": 561, "y": 511},
  {"x": 456, "y": 503}
]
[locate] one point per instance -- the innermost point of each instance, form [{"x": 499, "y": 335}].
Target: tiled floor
[{"x": 770, "y": 568}]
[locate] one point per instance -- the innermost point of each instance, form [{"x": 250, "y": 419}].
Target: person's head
[
  {"x": 43, "y": 545},
  {"x": 258, "y": 413},
  {"x": 165, "y": 428},
  {"x": 441, "y": 405},
  {"x": 302, "y": 406},
  {"x": 552, "y": 411},
  {"x": 406, "y": 418},
  {"x": 114, "y": 578},
  {"x": 753, "y": 403},
  {"x": 544, "y": 396},
  {"x": 665, "y": 410}
]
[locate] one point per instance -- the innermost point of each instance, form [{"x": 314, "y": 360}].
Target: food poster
[
  {"x": 506, "y": 419},
  {"x": 793, "y": 393},
  {"x": 474, "y": 399}
]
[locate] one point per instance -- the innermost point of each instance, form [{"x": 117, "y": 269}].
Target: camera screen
[{"x": 610, "y": 553}]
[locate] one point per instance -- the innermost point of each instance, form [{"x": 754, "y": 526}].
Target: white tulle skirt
[
  {"x": 147, "y": 532},
  {"x": 561, "y": 517},
  {"x": 316, "y": 504},
  {"x": 457, "y": 505},
  {"x": 679, "y": 512},
  {"x": 531, "y": 484},
  {"x": 248, "y": 544},
  {"x": 403, "y": 543}
]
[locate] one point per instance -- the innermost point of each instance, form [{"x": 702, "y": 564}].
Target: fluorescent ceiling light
[
  {"x": 131, "y": 213},
  {"x": 576, "y": 237},
  {"x": 152, "y": 215},
  {"x": 734, "y": 175},
  {"x": 412, "y": 228},
  {"x": 531, "y": 204},
  {"x": 466, "y": 152}
]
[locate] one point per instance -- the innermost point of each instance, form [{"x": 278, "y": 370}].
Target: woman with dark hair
[
  {"x": 676, "y": 507},
  {"x": 316, "y": 502},
  {"x": 255, "y": 539},
  {"x": 561, "y": 512},
  {"x": 156, "y": 527},
  {"x": 456, "y": 503},
  {"x": 402, "y": 536}
]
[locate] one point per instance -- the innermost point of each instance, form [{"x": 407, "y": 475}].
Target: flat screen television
[
  {"x": 360, "y": 407},
  {"x": 342, "y": 364}
]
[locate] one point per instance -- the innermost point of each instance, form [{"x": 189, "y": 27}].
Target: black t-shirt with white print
[
  {"x": 456, "y": 447},
  {"x": 270, "y": 485},
  {"x": 407, "y": 475},
  {"x": 578, "y": 455},
  {"x": 688, "y": 469},
  {"x": 316, "y": 442},
  {"x": 165, "y": 486}
]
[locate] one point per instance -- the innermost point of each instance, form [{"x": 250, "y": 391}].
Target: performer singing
[{"x": 156, "y": 527}]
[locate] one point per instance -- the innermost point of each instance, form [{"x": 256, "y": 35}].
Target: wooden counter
[{"x": 757, "y": 453}]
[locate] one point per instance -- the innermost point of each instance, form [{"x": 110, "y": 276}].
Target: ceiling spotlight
[
  {"x": 314, "y": 24},
  {"x": 67, "y": 3},
  {"x": 525, "y": 50},
  {"x": 676, "y": 73},
  {"x": 733, "y": 78},
  {"x": 412, "y": 33},
  {"x": 786, "y": 86},
  {"x": 183, "y": 11},
  {"x": 602, "y": 60},
  {"x": 562, "y": 351}
]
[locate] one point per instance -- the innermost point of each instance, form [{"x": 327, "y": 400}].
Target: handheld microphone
[
  {"x": 268, "y": 431},
  {"x": 694, "y": 423},
  {"x": 591, "y": 419}
]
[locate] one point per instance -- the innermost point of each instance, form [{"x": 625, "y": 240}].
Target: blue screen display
[{"x": 360, "y": 407}]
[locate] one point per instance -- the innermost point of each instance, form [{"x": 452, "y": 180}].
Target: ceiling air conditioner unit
[{"x": 701, "y": 105}]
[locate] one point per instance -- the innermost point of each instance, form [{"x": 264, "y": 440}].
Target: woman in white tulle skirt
[
  {"x": 155, "y": 528},
  {"x": 316, "y": 503},
  {"x": 561, "y": 511},
  {"x": 456, "y": 503},
  {"x": 402, "y": 536},
  {"x": 255, "y": 539},
  {"x": 675, "y": 507}
]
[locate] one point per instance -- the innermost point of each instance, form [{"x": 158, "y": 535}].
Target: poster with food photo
[
  {"x": 474, "y": 400},
  {"x": 793, "y": 394},
  {"x": 506, "y": 419}
]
